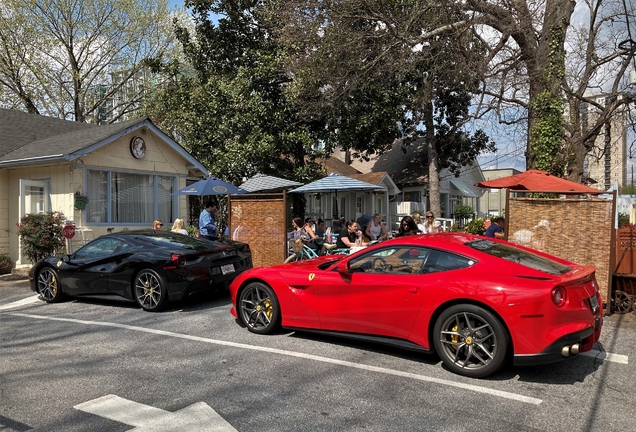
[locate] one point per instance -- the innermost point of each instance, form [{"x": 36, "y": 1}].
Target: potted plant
[{"x": 79, "y": 201}]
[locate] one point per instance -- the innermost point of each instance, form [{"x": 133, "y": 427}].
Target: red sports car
[{"x": 471, "y": 299}]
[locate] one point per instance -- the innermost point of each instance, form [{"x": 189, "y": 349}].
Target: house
[
  {"x": 129, "y": 172},
  {"x": 408, "y": 170},
  {"x": 493, "y": 201},
  {"x": 352, "y": 205}
]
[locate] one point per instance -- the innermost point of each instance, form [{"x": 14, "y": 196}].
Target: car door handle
[{"x": 413, "y": 290}]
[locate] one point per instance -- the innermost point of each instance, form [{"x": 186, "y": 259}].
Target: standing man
[
  {"x": 495, "y": 230},
  {"x": 207, "y": 222}
]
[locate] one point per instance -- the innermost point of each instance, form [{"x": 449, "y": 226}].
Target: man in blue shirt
[
  {"x": 207, "y": 222},
  {"x": 495, "y": 230}
]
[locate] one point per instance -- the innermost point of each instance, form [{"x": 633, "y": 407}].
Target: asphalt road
[{"x": 59, "y": 361}]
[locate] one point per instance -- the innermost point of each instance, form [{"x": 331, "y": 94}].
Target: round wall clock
[{"x": 138, "y": 147}]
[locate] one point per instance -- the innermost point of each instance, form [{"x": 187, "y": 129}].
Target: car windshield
[
  {"x": 519, "y": 256},
  {"x": 180, "y": 241}
]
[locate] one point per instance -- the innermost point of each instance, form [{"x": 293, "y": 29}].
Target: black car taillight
[
  {"x": 245, "y": 248},
  {"x": 179, "y": 260}
]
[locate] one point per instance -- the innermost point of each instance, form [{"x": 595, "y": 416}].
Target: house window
[
  {"x": 359, "y": 205},
  {"x": 126, "y": 198},
  {"x": 412, "y": 196}
]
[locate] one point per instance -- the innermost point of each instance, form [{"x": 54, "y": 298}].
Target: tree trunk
[
  {"x": 433, "y": 164},
  {"x": 546, "y": 70}
]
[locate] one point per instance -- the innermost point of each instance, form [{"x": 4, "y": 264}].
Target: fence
[
  {"x": 260, "y": 220},
  {"x": 580, "y": 230}
]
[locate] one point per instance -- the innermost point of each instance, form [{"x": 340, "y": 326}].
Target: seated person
[
  {"x": 376, "y": 230},
  {"x": 348, "y": 236},
  {"x": 320, "y": 228},
  {"x": 177, "y": 227},
  {"x": 407, "y": 227},
  {"x": 300, "y": 230}
]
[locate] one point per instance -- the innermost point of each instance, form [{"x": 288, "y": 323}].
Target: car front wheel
[
  {"x": 150, "y": 290},
  {"x": 471, "y": 341},
  {"x": 259, "y": 309},
  {"x": 48, "y": 285}
]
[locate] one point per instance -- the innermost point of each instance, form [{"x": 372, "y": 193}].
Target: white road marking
[
  {"x": 463, "y": 386},
  {"x": 26, "y": 301},
  {"x": 145, "y": 418},
  {"x": 605, "y": 356}
]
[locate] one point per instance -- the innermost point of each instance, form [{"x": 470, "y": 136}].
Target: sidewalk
[{"x": 14, "y": 279}]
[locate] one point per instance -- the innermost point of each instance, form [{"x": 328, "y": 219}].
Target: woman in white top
[
  {"x": 375, "y": 229},
  {"x": 177, "y": 227},
  {"x": 431, "y": 225},
  {"x": 418, "y": 221}
]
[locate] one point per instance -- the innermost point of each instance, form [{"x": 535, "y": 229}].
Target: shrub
[
  {"x": 41, "y": 235},
  {"x": 5, "y": 263},
  {"x": 476, "y": 226},
  {"x": 191, "y": 229},
  {"x": 623, "y": 219},
  {"x": 462, "y": 211}
]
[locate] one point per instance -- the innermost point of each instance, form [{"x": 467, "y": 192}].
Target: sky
[{"x": 175, "y": 3}]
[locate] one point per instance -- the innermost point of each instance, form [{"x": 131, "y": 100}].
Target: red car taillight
[
  {"x": 559, "y": 296},
  {"x": 178, "y": 259}
]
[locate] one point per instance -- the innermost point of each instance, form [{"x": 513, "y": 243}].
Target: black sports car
[{"x": 151, "y": 267}]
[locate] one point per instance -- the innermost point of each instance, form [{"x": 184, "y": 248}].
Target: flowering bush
[{"x": 41, "y": 235}]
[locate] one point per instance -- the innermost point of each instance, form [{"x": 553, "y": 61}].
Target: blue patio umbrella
[{"x": 210, "y": 186}]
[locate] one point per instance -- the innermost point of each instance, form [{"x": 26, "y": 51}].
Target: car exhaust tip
[
  {"x": 565, "y": 351},
  {"x": 573, "y": 350}
]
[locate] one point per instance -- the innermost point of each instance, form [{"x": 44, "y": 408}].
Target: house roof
[
  {"x": 335, "y": 165},
  {"x": 406, "y": 166},
  {"x": 378, "y": 178},
  {"x": 262, "y": 182},
  {"x": 29, "y": 139}
]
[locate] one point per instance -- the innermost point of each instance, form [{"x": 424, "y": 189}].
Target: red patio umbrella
[{"x": 536, "y": 180}]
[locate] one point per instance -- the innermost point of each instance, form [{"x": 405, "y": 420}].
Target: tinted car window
[
  {"x": 177, "y": 240},
  {"x": 519, "y": 256},
  {"x": 396, "y": 260},
  {"x": 98, "y": 248},
  {"x": 439, "y": 261}
]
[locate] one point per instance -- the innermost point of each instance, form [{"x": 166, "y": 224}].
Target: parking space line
[
  {"x": 605, "y": 356},
  {"x": 26, "y": 301},
  {"x": 463, "y": 386}
]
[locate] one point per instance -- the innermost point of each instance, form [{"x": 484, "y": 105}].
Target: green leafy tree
[
  {"x": 228, "y": 103},
  {"x": 365, "y": 69},
  {"x": 41, "y": 235}
]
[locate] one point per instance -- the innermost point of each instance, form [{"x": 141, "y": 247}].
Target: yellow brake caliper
[
  {"x": 455, "y": 338},
  {"x": 267, "y": 305}
]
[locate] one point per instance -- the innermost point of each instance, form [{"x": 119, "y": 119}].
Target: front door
[{"x": 34, "y": 198}]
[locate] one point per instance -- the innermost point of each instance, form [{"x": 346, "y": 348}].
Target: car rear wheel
[
  {"x": 470, "y": 340},
  {"x": 48, "y": 285},
  {"x": 150, "y": 290},
  {"x": 259, "y": 309}
]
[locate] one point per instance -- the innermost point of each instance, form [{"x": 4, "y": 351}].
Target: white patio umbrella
[{"x": 336, "y": 182}]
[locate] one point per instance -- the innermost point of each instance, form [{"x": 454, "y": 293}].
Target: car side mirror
[
  {"x": 343, "y": 268},
  {"x": 66, "y": 258}
]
